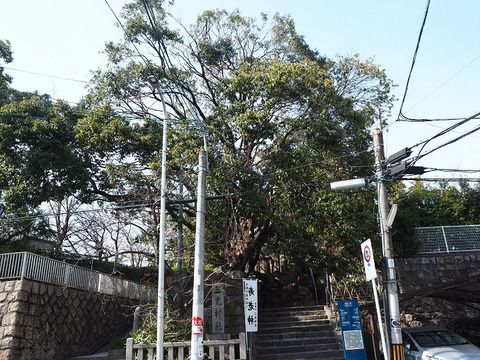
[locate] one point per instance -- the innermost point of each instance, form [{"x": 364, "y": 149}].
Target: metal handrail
[{"x": 20, "y": 265}]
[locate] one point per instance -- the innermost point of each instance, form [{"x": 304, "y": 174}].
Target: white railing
[
  {"x": 234, "y": 349},
  {"x": 35, "y": 267}
]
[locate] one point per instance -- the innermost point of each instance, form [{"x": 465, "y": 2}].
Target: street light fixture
[{"x": 155, "y": 83}]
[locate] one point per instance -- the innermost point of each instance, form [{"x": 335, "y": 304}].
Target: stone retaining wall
[
  {"x": 40, "y": 321},
  {"x": 417, "y": 272}
]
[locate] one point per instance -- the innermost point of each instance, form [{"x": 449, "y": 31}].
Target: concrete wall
[{"x": 40, "y": 321}]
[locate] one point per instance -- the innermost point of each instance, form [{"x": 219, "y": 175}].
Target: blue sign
[{"x": 350, "y": 321}]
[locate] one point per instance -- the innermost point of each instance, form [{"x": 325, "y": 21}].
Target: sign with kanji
[
  {"x": 197, "y": 325},
  {"x": 250, "y": 304},
  {"x": 368, "y": 260},
  {"x": 218, "y": 309}
]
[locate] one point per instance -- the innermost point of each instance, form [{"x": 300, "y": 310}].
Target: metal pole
[
  {"x": 391, "y": 283},
  {"x": 161, "y": 243},
  {"x": 380, "y": 327},
  {"x": 180, "y": 233},
  {"x": 198, "y": 277}
]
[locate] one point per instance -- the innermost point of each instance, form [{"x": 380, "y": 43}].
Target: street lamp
[{"x": 161, "y": 244}]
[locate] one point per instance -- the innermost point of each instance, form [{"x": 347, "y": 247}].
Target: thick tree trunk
[{"x": 244, "y": 243}]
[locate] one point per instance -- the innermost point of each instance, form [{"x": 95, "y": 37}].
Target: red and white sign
[
  {"x": 197, "y": 325},
  {"x": 368, "y": 260}
]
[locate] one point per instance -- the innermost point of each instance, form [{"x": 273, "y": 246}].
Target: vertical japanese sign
[
  {"x": 250, "y": 304},
  {"x": 354, "y": 348},
  {"x": 218, "y": 309}
]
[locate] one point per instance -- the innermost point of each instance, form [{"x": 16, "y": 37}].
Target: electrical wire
[
  {"x": 414, "y": 58},
  {"x": 466, "y": 171},
  {"x": 405, "y": 118},
  {"x": 451, "y": 179},
  {"x": 143, "y": 57},
  {"x": 46, "y": 75},
  {"x": 448, "y": 142},
  {"x": 441, "y": 133},
  {"x": 129, "y": 204}
]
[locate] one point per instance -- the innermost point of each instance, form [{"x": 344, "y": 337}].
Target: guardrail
[
  {"x": 458, "y": 238},
  {"x": 35, "y": 267},
  {"x": 217, "y": 349}
]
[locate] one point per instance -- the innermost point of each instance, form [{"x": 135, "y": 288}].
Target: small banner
[
  {"x": 218, "y": 309},
  {"x": 250, "y": 304}
]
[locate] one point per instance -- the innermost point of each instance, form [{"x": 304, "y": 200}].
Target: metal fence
[
  {"x": 448, "y": 239},
  {"x": 35, "y": 267}
]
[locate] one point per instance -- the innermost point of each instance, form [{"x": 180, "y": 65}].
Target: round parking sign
[{"x": 367, "y": 254}]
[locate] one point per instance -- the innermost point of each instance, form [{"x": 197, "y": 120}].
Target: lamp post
[{"x": 161, "y": 244}]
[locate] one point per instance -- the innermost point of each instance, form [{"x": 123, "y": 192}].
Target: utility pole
[
  {"x": 163, "y": 213},
  {"x": 198, "y": 277},
  {"x": 180, "y": 293},
  {"x": 180, "y": 232},
  {"x": 386, "y": 219}
]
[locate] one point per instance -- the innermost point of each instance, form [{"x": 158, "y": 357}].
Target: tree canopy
[{"x": 281, "y": 122}]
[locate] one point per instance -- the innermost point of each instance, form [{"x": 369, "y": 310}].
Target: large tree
[{"x": 282, "y": 122}]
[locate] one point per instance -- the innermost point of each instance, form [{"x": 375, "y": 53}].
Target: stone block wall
[
  {"x": 41, "y": 321},
  {"x": 417, "y": 272}
]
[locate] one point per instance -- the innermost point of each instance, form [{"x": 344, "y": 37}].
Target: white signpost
[
  {"x": 371, "y": 275},
  {"x": 250, "y": 304}
]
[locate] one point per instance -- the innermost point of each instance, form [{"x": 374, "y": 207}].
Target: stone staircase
[
  {"x": 296, "y": 333},
  {"x": 118, "y": 354}
]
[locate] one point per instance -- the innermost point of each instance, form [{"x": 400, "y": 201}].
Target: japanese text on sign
[
  {"x": 250, "y": 304},
  {"x": 218, "y": 309}
]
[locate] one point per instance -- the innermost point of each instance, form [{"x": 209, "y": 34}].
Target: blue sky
[{"x": 65, "y": 38}]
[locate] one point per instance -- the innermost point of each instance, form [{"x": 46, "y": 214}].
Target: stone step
[
  {"x": 311, "y": 325},
  {"x": 330, "y": 342},
  {"x": 296, "y": 333},
  {"x": 98, "y": 356},
  {"x": 302, "y": 355},
  {"x": 293, "y": 310},
  {"x": 324, "y": 334},
  {"x": 293, "y": 318},
  {"x": 111, "y": 355}
]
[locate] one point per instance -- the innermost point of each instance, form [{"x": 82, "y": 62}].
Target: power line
[
  {"x": 435, "y": 90},
  {"x": 126, "y": 35},
  {"x": 451, "y": 179},
  {"x": 467, "y": 171},
  {"x": 130, "y": 204},
  {"x": 46, "y": 75},
  {"x": 408, "y": 119},
  {"x": 449, "y": 142},
  {"x": 414, "y": 59},
  {"x": 443, "y": 132}
]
